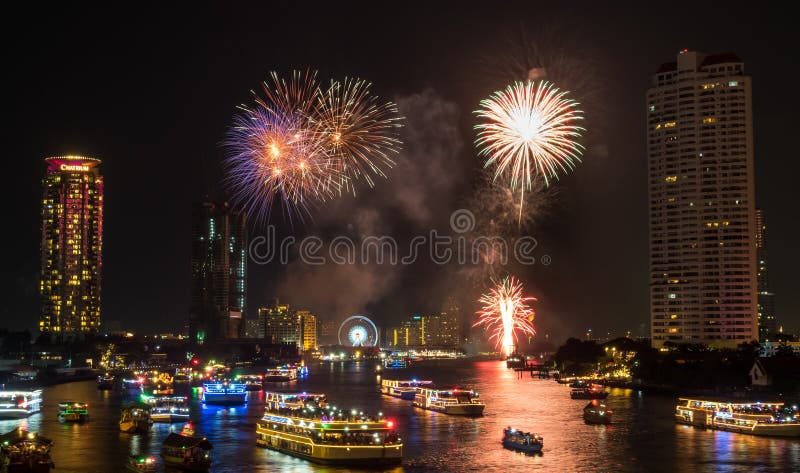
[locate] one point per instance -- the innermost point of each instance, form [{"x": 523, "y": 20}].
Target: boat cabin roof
[
  {"x": 20, "y": 435},
  {"x": 728, "y": 402},
  {"x": 174, "y": 440}
]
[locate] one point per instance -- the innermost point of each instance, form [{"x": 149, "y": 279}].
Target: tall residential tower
[
  {"x": 767, "y": 323},
  {"x": 219, "y": 272},
  {"x": 702, "y": 202},
  {"x": 72, "y": 246}
]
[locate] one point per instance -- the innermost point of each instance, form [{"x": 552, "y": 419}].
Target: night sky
[{"x": 151, "y": 92}]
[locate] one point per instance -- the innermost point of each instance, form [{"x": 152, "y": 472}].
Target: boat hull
[
  {"x": 178, "y": 463},
  {"x": 16, "y": 413},
  {"x": 333, "y": 454},
  {"x": 596, "y": 419},
  {"x": 527, "y": 449},
  {"x": 134, "y": 427},
  {"x": 73, "y": 417},
  {"x": 277, "y": 379},
  {"x": 225, "y": 399},
  {"x": 602, "y": 395},
  {"x": 169, "y": 418}
]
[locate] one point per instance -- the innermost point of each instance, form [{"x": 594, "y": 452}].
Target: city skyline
[{"x": 618, "y": 291}]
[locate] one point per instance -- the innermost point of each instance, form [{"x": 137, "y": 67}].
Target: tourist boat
[
  {"x": 19, "y": 404},
  {"x": 525, "y": 442},
  {"x": 404, "y": 389},
  {"x": 594, "y": 391},
  {"x": 186, "y": 452},
  {"x": 72, "y": 411},
  {"x": 224, "y": 393},
  {"x": 252, "y": 382},
  {"x": 168, "y": 408},
  {"x": 772, "y": 419},
  {"x": 23, "y": 451},
  {"x": 456, "y": 401},
  {"x": 597, "y": 412},
  {"x": 141, "y": 464},
  {"x": 281, "y": 375},
  {"x": 302, "y": 425},
  {"x": 135, "y": 418},
  {"x": 105, "y": 382},
  {"x": 396, "y": 363}
]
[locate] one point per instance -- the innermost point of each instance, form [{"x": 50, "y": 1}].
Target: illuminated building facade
[
  {"x": 72, "y": 246},
  {"x": 767, "y": 323},
  {"x": 411, "y": 333},
  {"x": 281, "y": 324},
  {"x": 702, "y": 206},
  {"x": 308, "y": 322},
  {"x": 219, "y": 273}
]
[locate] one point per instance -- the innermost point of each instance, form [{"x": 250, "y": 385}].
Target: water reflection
[{"x": 643, "y": 437}]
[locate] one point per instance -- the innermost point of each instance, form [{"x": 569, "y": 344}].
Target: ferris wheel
[{"x": 358, "y": 331}]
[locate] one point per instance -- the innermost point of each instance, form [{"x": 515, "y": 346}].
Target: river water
[{"x": 642, "y": 438}]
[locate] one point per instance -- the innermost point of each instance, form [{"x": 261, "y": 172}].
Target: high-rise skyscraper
[
  {"x": 767, "y": 323},
  {"x": 308, "y": 323},
  {"x": 72, "y": 246},
  {"x": 702, "y": 205},
  {"x": 219, "y": 272}
]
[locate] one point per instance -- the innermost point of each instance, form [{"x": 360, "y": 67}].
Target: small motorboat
[
  {"x": 597, "y": 412},
  {"x": 23, "y": 451},
  {"x": 105, "y": 382},
  {"x": 524, "y": 442},
  {"x": 141, "y": 464},
  {"x": 594, "y": 391},
  {"x": 135, "y": 418},
  {"x": 168, "y": 408},
  {"x": 72, "y": 411},
  {"x": 187, "y": 452}
]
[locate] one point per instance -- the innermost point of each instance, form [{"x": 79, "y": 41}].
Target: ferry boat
[
  {"x": 252, "y": 382},
  {"x": 597, "y": 412},
  {"x": 135, "y": 418},
  {"x": 396, "y": 363},
  {"x": 281, "y": 375},
  {"x": 224, "y": 393},
  {"x": 772, "y": 419},
  {"x": 404, "y": 389},
  {"x": 141, "y": 464},
  {"x": 525, "y": 442},
  {"x": 23, "y": 451},
  {"x": 168, "y": 408},
  {"x": 72, "y": 411},
  {"x": 186, "y": 452},
  {"x": 105, "y": 382},
  {"x": 302, "y": 425},
  {"x": 19, "y": 404},
  {"x": 455, "y": 401},
  {"x": 594, "y": 391}
]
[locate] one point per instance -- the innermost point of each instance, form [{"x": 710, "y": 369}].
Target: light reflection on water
[{"x": 643, "y": 436}]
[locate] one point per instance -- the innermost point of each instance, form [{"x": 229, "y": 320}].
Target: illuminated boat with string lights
[
  {"x": 141, "y": 464},
  {"x": 462, "y": 402},
  {"x": 304, "y": 426},
  {"x": 19, "y": 404},
  {"x": 168, "y": 409},
  {"x": 525, "y": 442},
  {"x": 23, "y": 451},
  {"x": 594, "y": 391},
  {"x": 224, "y": 393},
  {"x": 281, "y": 375},
  {"x": 73, "y": 411},
  {"x": 772, "y": 419},
  {"x": 404, "y": 389}
]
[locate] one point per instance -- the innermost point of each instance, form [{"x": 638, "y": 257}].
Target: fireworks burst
[
  {"x": 529, "y": 129},
  {"x": 358, "y": 131},
  {"x": 300, "y": 145},
  {"x": 505, "y": 312}
]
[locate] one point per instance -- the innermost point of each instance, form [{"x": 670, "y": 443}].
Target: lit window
[{"x": 733, "y": 83}]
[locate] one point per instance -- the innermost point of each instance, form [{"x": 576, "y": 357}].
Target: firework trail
[
  {"x": 300, "y": 145},
  {"x": 529, "y": 129},
  {"x": 505, "y": 311}
]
